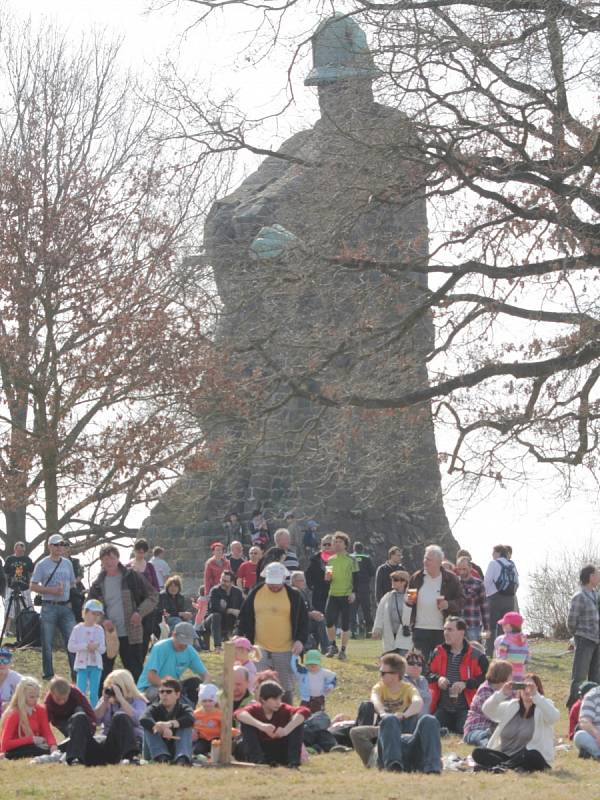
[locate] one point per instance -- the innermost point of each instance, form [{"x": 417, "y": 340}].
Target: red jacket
[
  {"x": 472, "y": 669},
  {"x": 38, "y": 722},
  {"x": 212, "y": 573}
]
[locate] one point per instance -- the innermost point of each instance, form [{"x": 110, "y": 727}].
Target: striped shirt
[{"x": 513, "y": 647}]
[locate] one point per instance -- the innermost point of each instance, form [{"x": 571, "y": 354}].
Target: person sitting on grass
[
  {"x": 25, "y": 730},
  {"x": 478, "y": 727},
  {"x": 9, "y": 678},
  {"x": 391, "y": 695},
  {"x": 524, "y": 738},
  {"x": 456, "y": 671},
  {"x": 414, "y": 675},
  {"x": 70, "y": 711},
  {"x": 173, "y": 658},
  {"x": 272, "y": 730},
  {"x": 207, "y": 720},
  {"x": 118, "y": 711},
  {"x": 574, "y": 713},
  {"x": 587, "y": 735},
  {"x": 168, "y": 724},
  {"x": 314, "y": 682}
]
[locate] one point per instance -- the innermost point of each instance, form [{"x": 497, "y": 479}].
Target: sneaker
[
  {"x": 342, "y": 656},
  {"x": 332, "y": 651},
  {"x": 340, "y": 748}
]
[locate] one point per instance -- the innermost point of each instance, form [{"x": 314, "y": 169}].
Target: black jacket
[
  {"x": 383, "y": 583},
  {"x": 156, "y": 712},
  {"x": 234, "y": 599},
  {"x": 315, "y": 580},
  {"x": 366, "y": 570},
  {"x": 173, "y": 604},
  {"x": 299, "y": 615}
]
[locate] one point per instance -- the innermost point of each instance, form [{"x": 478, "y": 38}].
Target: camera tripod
[{"x": 17, "y": 602}]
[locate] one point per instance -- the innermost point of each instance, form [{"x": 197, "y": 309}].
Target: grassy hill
[{"x": 339, "y": 776}]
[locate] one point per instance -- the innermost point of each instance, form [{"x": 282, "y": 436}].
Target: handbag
[{"x": 37, "y": 598}]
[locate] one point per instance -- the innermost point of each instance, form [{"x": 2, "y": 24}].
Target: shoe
[
  {"x": 74, "y": 762},
  {"x": 182, "y": 761},
  {"x": 332, "y": 651},
  {"x": 162, "y": 759},
  {"x": 134, "y": 761},
  {"x": 342, "y": 656},
  {"x": 584, "y": 754},
  {"x": 444, "y": 732},
  {"x": 395, "y": 766},
  {"x": 340, "y": 748}
]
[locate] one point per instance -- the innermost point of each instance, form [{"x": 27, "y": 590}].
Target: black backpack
[
  {"x": 28, "y": 628},
  {"x": 506, "y": 583}
]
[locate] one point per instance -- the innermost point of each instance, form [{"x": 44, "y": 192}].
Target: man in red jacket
[{"x": 456, "y": 671}]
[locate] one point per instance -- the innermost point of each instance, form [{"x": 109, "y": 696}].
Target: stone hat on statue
[{"x": 340, "y": 52}]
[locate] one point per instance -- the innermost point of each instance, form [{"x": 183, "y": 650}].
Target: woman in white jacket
[
  {"x": 524, "y": 738},
  {"x": 392, "y": 618}
]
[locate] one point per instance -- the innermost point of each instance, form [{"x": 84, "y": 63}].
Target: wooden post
[{"x": 226, "y": 703}]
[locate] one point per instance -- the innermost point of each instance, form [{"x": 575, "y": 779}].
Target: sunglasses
[{"x": 166, "y": 691}]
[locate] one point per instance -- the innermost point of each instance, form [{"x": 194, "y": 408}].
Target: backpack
[
  {"x": 27, "y": 626},
  {"x": 507, "y": 582}
]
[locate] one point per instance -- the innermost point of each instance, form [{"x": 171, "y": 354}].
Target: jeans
[
  {"x": 473, "y": 634},
  {"x": 587, "y": 743},
  {"x": 427, "y": 640},
  {"x": 53, "y": 616},
  {"x": 586, "y": 666},
  {"x": 526, "y": 760},
  {"x": 121, "y": 741},
  {"x": 219, "y": 625},
  {"x": 420, "y": 751},
  {"x": 91, "y": 676},
  {"x": 173, "y": 748},
  {"x": 478, "y": 738},
  {"x": 284, "y": 751}
]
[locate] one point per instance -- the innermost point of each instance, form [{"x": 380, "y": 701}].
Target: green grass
[{"x": 340, "y": 776}]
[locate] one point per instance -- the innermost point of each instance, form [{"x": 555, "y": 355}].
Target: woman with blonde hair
[
  {"x": 118, "y": 711},
  {"x": 25, "y": 728},
  {"x": 392, "y": 618}
]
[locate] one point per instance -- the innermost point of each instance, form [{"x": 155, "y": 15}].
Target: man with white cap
[
  {"x": 274, "y": 618},
  {"x": 53, "y": 578},
  {"x": 172, "y": 658}
]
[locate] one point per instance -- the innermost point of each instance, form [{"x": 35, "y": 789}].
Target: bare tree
[
  {"x": 105, "y": 338},
  {"x": 552, "y": 584}
]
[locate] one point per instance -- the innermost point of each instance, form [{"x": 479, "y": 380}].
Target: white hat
[
  {"x": 274, "y": 573},
  {"x": 56, "y": 538},
  {"x": 208, "y": 691}
]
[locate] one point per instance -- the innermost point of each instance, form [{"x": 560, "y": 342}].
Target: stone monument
[{"x": 349, "y": 185}]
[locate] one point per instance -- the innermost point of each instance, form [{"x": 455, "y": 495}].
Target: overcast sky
[{"x": 535, "y": 518}]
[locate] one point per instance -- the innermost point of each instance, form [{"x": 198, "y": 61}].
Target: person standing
[
  {"x": 140, "y": 564},
  {"x": 247, "y": 574},
  {"x": 235, "y": 557},
  {"x": 283, "y": 539},
  {"x": 53, "y": 578},
  {"x": 315, "y": 574},
  {"x": 392, "y": 618},
  {"x": 342, "y": 574},
  {"x": 127, "y": 598},
  {"x": 383, "y": 583},
  {"x": 214, "y": 567},
  {"x": 366, "y": 571},
  {"x": 161, "y": 568},
  {"x": 87, "y": 642},
  {"x": 438, "y": 595},
  {"x": 475, "y": 611},
  {"x": 18, "y": 570},
  {"x": 583, "y": 623},
  {"x": 501, "y": 583},
  {"x": 274, "y": 618},
  {"x": 316, "y": 619}
]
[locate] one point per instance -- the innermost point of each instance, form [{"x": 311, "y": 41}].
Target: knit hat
[{"x": 208, "y": 691}]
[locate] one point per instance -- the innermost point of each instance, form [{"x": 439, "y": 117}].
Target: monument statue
[{"x": 349, "y": 185}]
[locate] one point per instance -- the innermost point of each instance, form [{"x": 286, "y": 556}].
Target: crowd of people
[{"x": 454, "y": 657}]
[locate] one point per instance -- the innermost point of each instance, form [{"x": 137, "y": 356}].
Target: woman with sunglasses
[
  {"x": 392, "y": 618},
  {"x": 415, "y": 664}
]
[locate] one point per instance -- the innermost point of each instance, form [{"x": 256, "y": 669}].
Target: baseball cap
[
  {"x": 185, "y": 632},
  {"x": 208, "y": 691},
  {"x": 94, "y": 605},
  {"x": 56, "y": 538},
  {"x": 512, "y": 618},
  {"x": 274, "y": 573},
  {"x": 312, "y": 657}
]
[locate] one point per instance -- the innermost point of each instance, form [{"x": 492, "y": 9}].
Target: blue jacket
[{"x": 302, "y": 673}]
